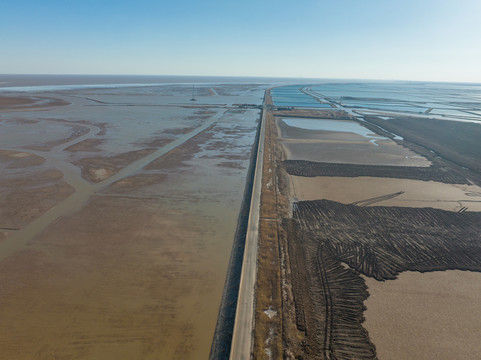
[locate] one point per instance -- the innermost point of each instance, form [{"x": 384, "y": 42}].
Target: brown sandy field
[{"x": 425, "y": 316}]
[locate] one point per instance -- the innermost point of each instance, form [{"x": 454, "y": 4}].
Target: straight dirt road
[{"x": 243, "y": 327}]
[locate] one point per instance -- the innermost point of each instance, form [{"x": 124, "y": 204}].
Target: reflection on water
[
  {"x": 293, "y": 96},
  {"x": 331, "y": 125},
  {"x": 448, "y": 100},
  {"x": 444, "y": 100},
  {"x": 143, "y": 253}
]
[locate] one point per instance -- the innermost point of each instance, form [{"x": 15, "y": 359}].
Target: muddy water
[
  {"x": 138, "y": 270},
  {"x": 342, "y": 142},
  {"x": 425, "y": 316},
  {"x": 415, "y": 193},
  {"x": 83, "y": 190},
  {"x": 331, "y": 125}
]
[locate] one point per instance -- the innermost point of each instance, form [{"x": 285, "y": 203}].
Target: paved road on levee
[{"x": 244, "y": 321}]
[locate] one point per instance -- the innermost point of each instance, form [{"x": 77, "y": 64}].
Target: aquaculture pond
[
  {"x": 443, "y": 99},
  {"x": 295, "y": 97}
]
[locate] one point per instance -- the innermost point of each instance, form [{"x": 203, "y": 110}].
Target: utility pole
[{"x": 193, "y": 94}]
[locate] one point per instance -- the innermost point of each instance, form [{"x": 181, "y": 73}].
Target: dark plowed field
[
  {"x": 379, "y": 242},
  {"x": 456, "y": 141},
  {"x": 328, "y": 301},
  {"x": 311, "y": 169}
]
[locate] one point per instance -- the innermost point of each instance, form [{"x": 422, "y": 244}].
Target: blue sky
[{"x": 371, "y": 39}]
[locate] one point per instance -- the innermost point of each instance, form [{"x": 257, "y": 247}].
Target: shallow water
[
  {"x": 300, "y": 104},
  {"x": 396, "y": 96},
  {"x": 143, "y": 253},
  {"x": 293, "y": 96},
  {"x": 331, "y": 125}
]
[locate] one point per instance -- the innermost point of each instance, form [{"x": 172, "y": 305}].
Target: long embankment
[
  {"x": 244, "y": 321},
  {"x": 239, "y": 286}
]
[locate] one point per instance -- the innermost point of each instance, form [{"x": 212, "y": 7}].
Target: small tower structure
[{"x": 193, "y": 93}]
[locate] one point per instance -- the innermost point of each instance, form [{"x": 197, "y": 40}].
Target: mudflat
[
  {"x": 119, "y": 247},
  {"x": 28, "y": 189},
  {"x": 14, "y": 102}
]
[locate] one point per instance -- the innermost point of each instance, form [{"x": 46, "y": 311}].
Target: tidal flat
[{"x": 119, "y": 208}]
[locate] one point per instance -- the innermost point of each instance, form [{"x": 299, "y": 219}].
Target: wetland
[{"x": 119, "y": 209}]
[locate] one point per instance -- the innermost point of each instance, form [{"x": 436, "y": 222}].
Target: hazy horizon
[
  {"x": 31, "y": 80},
  {"x": 422, "y": 40}
]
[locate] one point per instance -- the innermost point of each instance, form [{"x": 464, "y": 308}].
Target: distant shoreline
[
  {"x": 34, "y": 82},
  {"x": 10, "y": 82}
]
